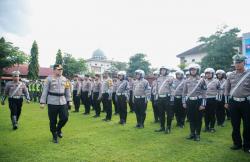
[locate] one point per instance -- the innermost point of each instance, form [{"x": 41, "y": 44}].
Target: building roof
[
  {"x": 98, "y": 55},
  {"x": 43, "y": 71},
  {"x": 195, "y": 50}
]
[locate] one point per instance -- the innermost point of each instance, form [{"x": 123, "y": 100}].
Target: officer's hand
[
  {"x": 202, "y": 108},
  {"x": 184, "y": 106},
  {"x": 42, "y": 106},
  {"x": 226, "y": 106},
  {"x": 2, "y": 103},
  {"x": 70, "y": 103}
]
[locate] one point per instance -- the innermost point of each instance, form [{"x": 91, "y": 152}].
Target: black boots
[
  {"x": 54, "y": 139},
  {"x": 14, "y": 122}
]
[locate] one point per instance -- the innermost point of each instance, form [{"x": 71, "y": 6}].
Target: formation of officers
[{"x": 213, "y": 95}]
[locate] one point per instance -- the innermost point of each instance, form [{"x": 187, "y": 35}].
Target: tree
[
  {"x": 220, "y": 47},
  {"x": 59, "y": 57},
  {"x": 10, "y": 55},
  {"x": 120, "y": 65},
  {"x": 72, "y": 66},
  {"x": 138, "y": 61},
  {"x": 182, "y": 66},
  {"x": 33, "y": 68}
]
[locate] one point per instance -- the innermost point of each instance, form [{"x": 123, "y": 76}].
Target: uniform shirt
[
  {"x": 107, "y": 85},
  {"x": 141, "y": 88},
  {"x": 131, "y": 84},
  {"x": 164, "y": 84},
  {"x": 243, "y": 90},
  {"x": 56, "y": 85},
  {"x": 115, "y": 86},
  {"x": 77, "y": 86},
  {"x": 123, "y": 87},
  {"x": 97, "y": 86},
  {"x": 189, "y": 86},
  {"x": 11, "y": 87},
  {"x": 153, "y": 87},
  {"x": 86, "y": 86},
  {"x": 177, "y": 87},
  {"x": 213, "y": 87},
  {"x": 222, "y": 86}
]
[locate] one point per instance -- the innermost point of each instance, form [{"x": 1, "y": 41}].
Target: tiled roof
[
  {"x": 43, "y": 71},
  {"x": 195, "y": 50}
]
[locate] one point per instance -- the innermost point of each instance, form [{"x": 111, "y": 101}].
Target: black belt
[{"x": 56, "y": 94}]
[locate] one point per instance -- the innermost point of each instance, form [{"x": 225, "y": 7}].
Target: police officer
[
  {"x": 76, "y": 92},
  {"x": 220, "y": 112},
  {"x": 122, "y": 96},
  {"x": 141, "y": 96},
  {"x": 213, "y": 87},
  {"x": 194, "y": 99},
  {"x": 86, "y": 93},
  {"x": 187, "y": 74},
  {"x": 56, "y": 93},
  {"x": 163, "y": 93},
  {"x": 180, "y": 112},
  {"x": 15, "y": 90},
  {"x": 97, "y": 95},
  {"x": 237, "y": 95},
  {"x": 153, "y": 94},
  {"x": 107, "y": 86},
  {"x": 92, "y": 80},
  {"x": 114, "y": 100},
  {"x": 131, "y": 85}
]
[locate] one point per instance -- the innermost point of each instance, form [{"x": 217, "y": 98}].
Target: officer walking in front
[
  {"x": 107, "y": 86},
  {"x": 180, "y": 112},
  {"x": 213, "y": 87},
  {"x": 163, "y": 93},
  {"x": 237, "y": 98},
  {"x": 194, "y": 100},
  {"x": 122, "y": 96},
  {"x": 56, "y": 93},
  {"x": 15, "y": 90},
  {"x": 141, "y": 96}
]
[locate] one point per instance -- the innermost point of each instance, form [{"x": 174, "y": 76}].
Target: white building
[
  {"x": 192, "y": 55},
  {"x": 98, "y": 63}
]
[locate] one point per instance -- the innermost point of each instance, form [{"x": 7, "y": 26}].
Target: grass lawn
[{"x": 89, "y": 139}]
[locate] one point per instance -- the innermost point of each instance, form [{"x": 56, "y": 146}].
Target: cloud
[{"x": 14, "y": 15}]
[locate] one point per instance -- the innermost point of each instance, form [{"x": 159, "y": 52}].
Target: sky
[{"x": 120, "y": 28}]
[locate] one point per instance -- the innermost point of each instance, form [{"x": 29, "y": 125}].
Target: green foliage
[
  {"x": 138, "y": 61},
  {"x": 220, "y": 47},
  {"x": 10, "y": 55},
  {"x": 90, "y": 139},
  {"x": 72, "y": 66},
  {"x": 120, "y": 65},
  {"x": 59, "y": 57},
  {"x": 182, "y": 66},
  {"x": 33, "y": 65}
]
